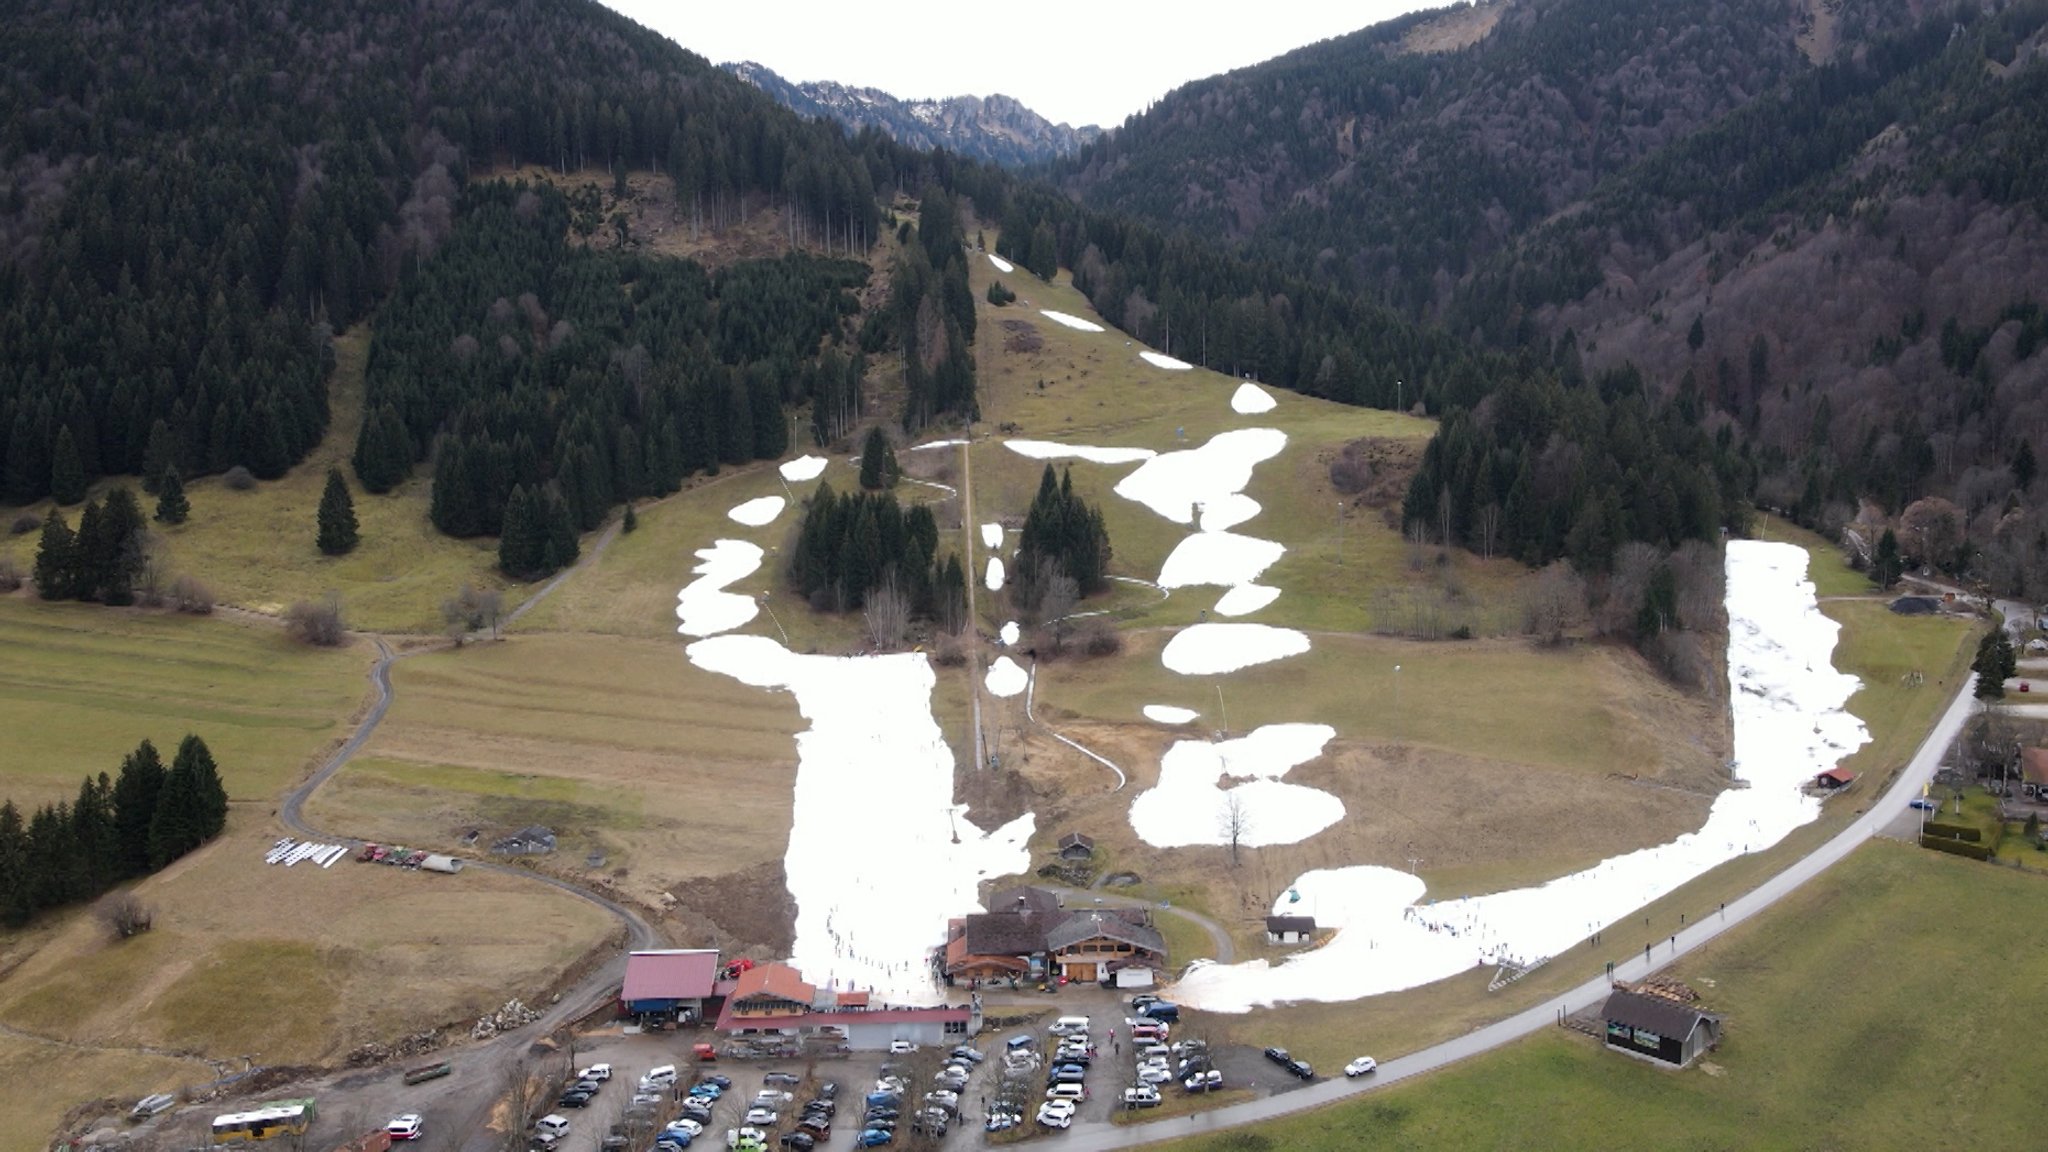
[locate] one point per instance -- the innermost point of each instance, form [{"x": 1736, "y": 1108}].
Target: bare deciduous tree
[
  {"x": 190, "y": 596},
  {"x": 1554, "y": 603},
  {"x": 888, "y": 615},
  {"x": 1489, "y": 529},
  {"x": 1418, "y": 545},
  {"x": 123, "y": 914},
  {"x": 316, "y": 623},
  {"x": 1234, "y": 821},
  {"x": 472, "y": 610}
]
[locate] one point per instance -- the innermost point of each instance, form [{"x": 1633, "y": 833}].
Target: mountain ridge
[{"x": 996, "y": 128}]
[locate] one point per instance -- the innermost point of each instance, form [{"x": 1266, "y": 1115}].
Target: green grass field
[
  {"x": 1885, "y": 1005},
  {"x": 80, "y": 686}
]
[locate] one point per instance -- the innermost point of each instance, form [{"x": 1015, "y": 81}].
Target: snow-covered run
[
  {"x": 1210, "y": 649},
  {"x": 994, "y": 580},
  {"x": 1227, "y": 512},
  {"x": 758, "y": 511},
  {"x": 1168, "y": 714},
  {"x": 803, "y": 468},
  {"x": 1189, "y": 804},
  {"x": 1246, "y": 599},
  {"x": 1173, "y": 483},
  {"x": 1074, "y": 322},
  {"x": 1052, "y": 450},
  {"x": 1250, "y": 399},
  {"x": 879, "y": 855},
  {"x": 703, "y": 606},
  {"x": 1218, "y": 558},
  {"x": 1001, "y": 264},
  {"x": 1005, "y": 677},
  {"x": 1010, "y": 633},
  {"x": 937, "y": 444},
  {"x": 1790, "y": 724},
  {"x": 991, "y": 535},
  {"x": 1162, "y": 360}
]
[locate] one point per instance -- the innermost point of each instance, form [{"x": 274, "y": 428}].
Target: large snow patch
[
  {"x": 803, "y": 468},
  {"x": 1074, "y": 322},
  {"x": 1050, "y": 450},
  {"x": 1250, "y": 399},
  {"x": 1005, "y": 677},
  {"x": 1191, "y": 805},
  {"x": 759, "y": 511},
  {"x": 1162, "y": 360},
  {"x": 1174, "y": 483},
  {"x": 1223, "y": 558},
  {"x": 1209, "y": 649},
  {"x": 703, "y": 606}
]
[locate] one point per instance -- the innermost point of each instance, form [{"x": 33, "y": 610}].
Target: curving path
[
  {"x": 1104, "y": 1137},
  {"x": 1031, "y": 690}
]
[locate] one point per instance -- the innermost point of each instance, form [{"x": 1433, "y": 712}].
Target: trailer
[
  {"x": 447, "y": 864},
  {"x": 425, "y": 1072}
]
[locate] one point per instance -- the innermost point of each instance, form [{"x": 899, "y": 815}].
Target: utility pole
[
  {"x": 1397, "y": 395},
  {"x": 1397, "y": 703},
  {"x": 1222, "y": 711},
  {"x": 1340, "y": 533}
]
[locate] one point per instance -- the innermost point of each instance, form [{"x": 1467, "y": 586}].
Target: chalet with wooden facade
[
  {"x": 775, "y": 1001},
  {"x": 1658, "y": 1028}
]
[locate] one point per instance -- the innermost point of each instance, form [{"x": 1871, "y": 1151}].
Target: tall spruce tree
[
  {"x": 337, "y": 517},
  {"x": 56, "y": 571},
  {"x": 95, "y": 850},
  {"x": 159, "y": 455},
  {"x": 112, "y": 550},
  {"x": 136, "y": 792},
  {"x": 17, "y": 900},
  {"x": 209, "y": 796},
  {"x": 519, "y": 544},
  {"x": 174, "y": 828},
  {"x": 171, "y": 505},
  {"x": 877, "y": 462}
]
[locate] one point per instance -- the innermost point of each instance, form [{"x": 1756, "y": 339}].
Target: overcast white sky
[{"x": 1078, "y": 62}]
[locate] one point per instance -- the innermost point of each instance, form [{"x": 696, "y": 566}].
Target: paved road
[{"x": 1103, "y": 1138}]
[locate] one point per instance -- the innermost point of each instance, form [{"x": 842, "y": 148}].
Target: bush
[
  {"x": 189, "y": 596},
  {"x": 24, "y": 523},
  {"x": 950, "y": 653},
  {"x": 999, "y": 294},
  {"x": 1102, "y": 640},
  {"x": 1944, "y": 831},
  {"x": 1957, "y": 847},
  {"x": 123, "y": 914},
  {"x": 10, "y": 576},
  {"x": 319, "y": 624},
  {"x": 238, "y": 479}
]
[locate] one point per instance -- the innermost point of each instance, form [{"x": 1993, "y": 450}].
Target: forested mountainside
[
  {"x": 1816, "y": 225},
  {"x": 998, "y": 129},
  {"x": 192, "y": 195}
]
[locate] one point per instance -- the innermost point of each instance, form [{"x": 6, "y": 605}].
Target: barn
[
  {"x": 1290, "y": 929},
  {"x": 669, "y": 981},
  {"x": 1659, "y": 1028}
]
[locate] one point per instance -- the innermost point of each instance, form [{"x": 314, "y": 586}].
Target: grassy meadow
[{"x": 1847, "y": 1005}]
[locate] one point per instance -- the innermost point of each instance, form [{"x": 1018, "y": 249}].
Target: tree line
[
  {"x": 853, "y": 548},
  {"x": 101, "y": 561},
  {"x": 1063, "y": 539},
  {"x": 118, "y": 829}
]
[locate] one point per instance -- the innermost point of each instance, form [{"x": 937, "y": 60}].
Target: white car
[
  {"x": 685, "y": 1124},
  {"x": 1056, "y": 1113},
  {"x": 1362, "y": 1066},
  {"x": 763, "y": 1117},
  {"x": 770, "y": 1098},
  {"x": 900, "y": 1047},
  {"x": 1074, "y": 1093},
  {"x": 1153, "y": 1074},
  {"x": 597, "y": 1072},
  {"x": 406, "y": 1127},
  {"x": 1143, "y": 1096}
]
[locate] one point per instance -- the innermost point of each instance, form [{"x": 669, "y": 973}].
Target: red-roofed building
[
  {"x": 774, "y": 1000},
  {"x": 669, "y": 981},
  {"x": 1834, "y": 779}
]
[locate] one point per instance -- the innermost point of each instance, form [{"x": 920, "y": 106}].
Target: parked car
[
  {"x": 1019, "y": 1043},
  {"x": 151, "y": 1105},
  {"x": 828, "y": 1090},
  {"x": 1066, "y": 1074},
  {"x": 967, "y": 1053},
  {"x": 574, "y": 1098},
  {"x": 663, "y": 1075},
  {"x": 643, "y": 1100},
  {"x": 746, "y": 1138},
  {"x": 1161, "y": 1010},
  {"x": 1278, "y": 1056},
  {"x": 1209, "y": 1081},
  {"x": 1363, "y": 1066},
  {"x": 550, "y": 1128},
  {"x": 716, "y": 1081},
  {"x": 1001, "y": 1120},
  {"x": 950, "y": 1101},
  {"x": 770, "y": 1098},
  {"x": 696, "y": 1109},
  {"x": 670, "y": 1138},
  {"x": 800, "y": 1140},
  {"x": 685, "y": 1124},
  {"x": 1056, "y": 1113},
  {"x": 873, "y": 1138},
  {"x": 1301, "y": 1069},
  {"x": 900, "y": 1047},
  {"x": 1069, "y": 1026},
  {"x": 763, "y": 1116},
  {"x": 597, "y": 1072},
  {"x": 1923, "y": 803},
  {"x": 1074, "y": 1092},
  {"x": 1139, "y": 1001},
  {"x": 706, "y": 1091},
  {"x": 1154, "y": 1074},
  {"x": 406, "y": 1127},
  {"x": 587, "y": 1085},
  {"x": 788, "y": 1078},
  {"x": 1143, "y": 1096}
]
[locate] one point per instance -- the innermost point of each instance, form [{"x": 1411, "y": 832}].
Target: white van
[
  {"x": 550, "y": 1128},
  {"x": 661, "y": 1077},
  {"x": 1069, "y": 1026}
]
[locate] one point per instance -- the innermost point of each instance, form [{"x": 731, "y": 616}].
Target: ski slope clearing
[
  {"x": 991, "y": 535},
  {"x": 1223, "y": 558},
  {"x": 758, "y": 512},
  {"x": 1005, "y": 678},
  {"x": 1790, "y": 724},
  {"x": 703, "y": 606},
  {"x": 875, "y": 871},
  {"x": 1245, "y": 599},
  {"x": 994, "y": 579},
  {"x": 1174, "y": 484}
]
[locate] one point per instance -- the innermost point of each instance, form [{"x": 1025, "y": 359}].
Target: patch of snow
[
  {"x": 991, "y": 535},
  {"x": 1162, "y": 360},
  {"x": 937, "y": 444},
  {"x": 875, "y": 871},
  {"x": 1001, "y": 264},
  {"x": 1227, "y": 512},
  {"x": 1173, "y": 483},
  {"x": 1187, "y": 806},
  {"x": 1010, "y": 633},
  {"x": 1210, "y": 649},
  {"x": 1787, "y": 701},
  {"x": 1250, "y": 399},
  {"x": 1005, "y": 678},
  {"x": 1223, "y": 558},
  {"x": 703, "y": 606},
  {"x": 1168, "y": 714},
  {"x": 759, "y": 511},
  {"x": 1074, "y": 322},
  {"x": 803, "y": 468},
  {"x": 993, "y": 581},
  {"x": 1049, "y": 450},
  {"x": 1245, "y": 599}
]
